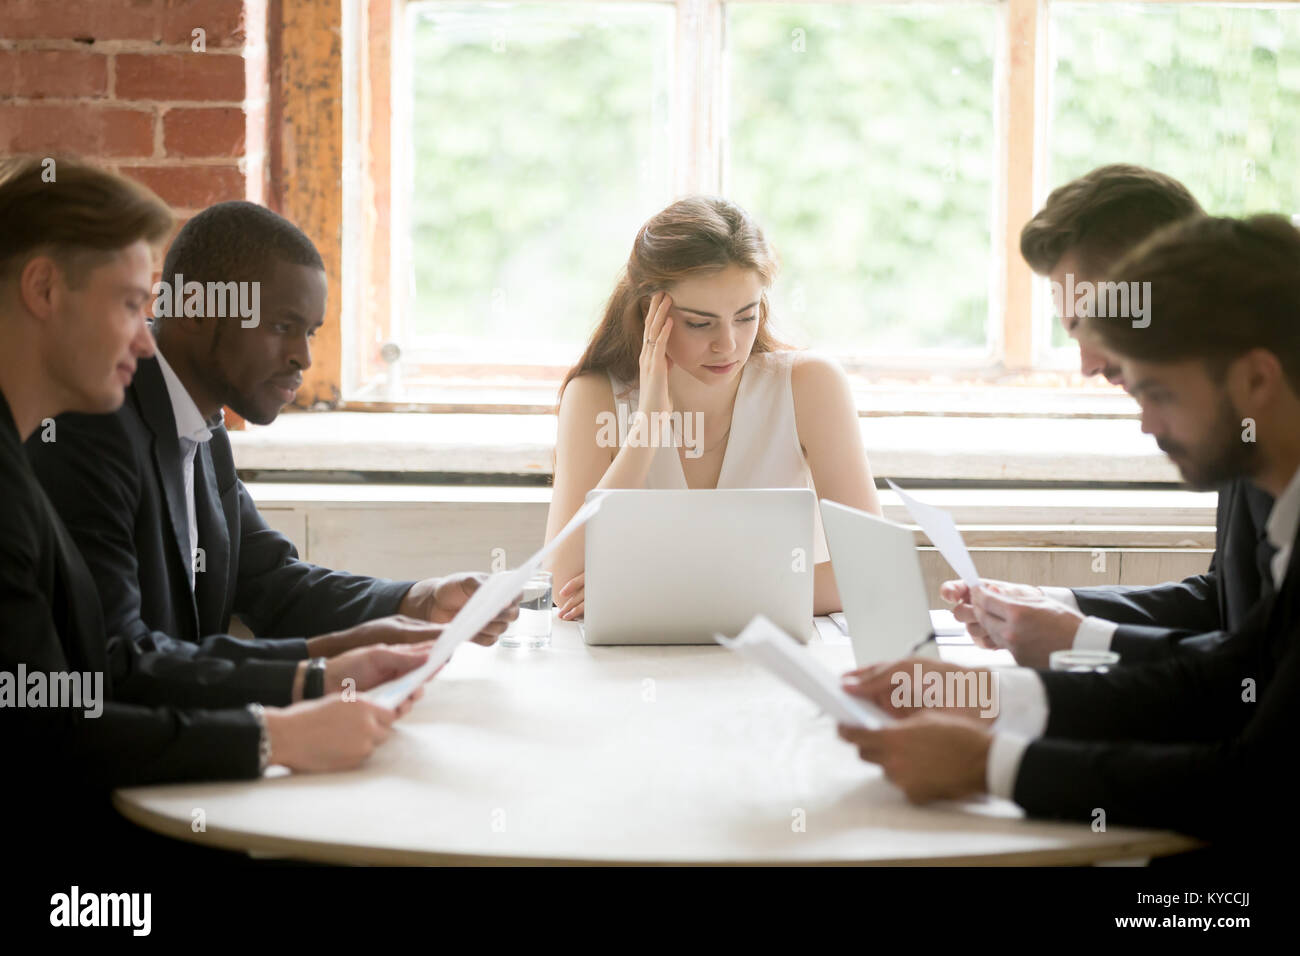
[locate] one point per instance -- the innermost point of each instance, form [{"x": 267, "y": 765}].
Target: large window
[
  {"x": 1207, "y": 93},
  {"x": 502, "y": 156}
]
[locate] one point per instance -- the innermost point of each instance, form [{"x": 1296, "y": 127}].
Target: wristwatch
[{"x": 313, "y": 684}]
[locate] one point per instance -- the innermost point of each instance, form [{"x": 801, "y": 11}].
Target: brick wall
[{"x": 121, "y": 82}]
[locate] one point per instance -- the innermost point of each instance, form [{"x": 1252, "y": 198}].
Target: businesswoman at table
[{"x": 687, "y": 332}]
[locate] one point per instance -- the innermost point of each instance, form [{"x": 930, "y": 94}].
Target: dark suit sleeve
[
  {"x": 123, "y": 745},
  {"x": 280, "y": 594},
  {"x": 175, "y": 678},
  {"x": 1191, "y": 604},
  {"x": 89, "y": 475},
  {"x": 1184, "y": 697},
  {"x": 1208, "y": 764},
  {"x": 1155, "y": 621}
]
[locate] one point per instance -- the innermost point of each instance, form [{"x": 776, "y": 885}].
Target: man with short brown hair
[
  {"x": 1197, "y": 742},
  {"x": 1089, "y": 222},
  {"x": 1085, "y": 226}
]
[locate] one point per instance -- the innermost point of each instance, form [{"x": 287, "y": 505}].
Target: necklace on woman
[{"x": 718, "y": 442}]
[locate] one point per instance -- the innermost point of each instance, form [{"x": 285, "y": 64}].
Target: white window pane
[
  {"x": 861, "y": 137},
  {"x": 1208, "y": 94},
  {"x": 540, "y": 144}
]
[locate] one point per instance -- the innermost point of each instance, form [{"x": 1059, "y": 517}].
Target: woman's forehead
[{"x": 728, "y": 289}]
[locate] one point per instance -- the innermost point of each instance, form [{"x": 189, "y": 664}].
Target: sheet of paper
[
  {"x": 972, "y": 656},
  {"x": 947, "y": 629},
  {"x": 483, "y": 605},
  {"x": 830, "y": 632},
  {"x": 765, "y": 644},
  {"x": 942, "y": 531}
]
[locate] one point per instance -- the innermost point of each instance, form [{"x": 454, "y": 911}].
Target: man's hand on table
[
  {"x": 929, "y": 756},
  {"x": 330, "y": 734}
]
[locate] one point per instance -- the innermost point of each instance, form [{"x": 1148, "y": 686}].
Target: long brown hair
[{"x": 694, "y": 236}]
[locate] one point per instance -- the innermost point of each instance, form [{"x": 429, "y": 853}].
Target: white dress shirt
[
  {"x": 1280, "y": 528},
  {"x": 1022, "y": 699},
  {"x": 192, "y": 431}
]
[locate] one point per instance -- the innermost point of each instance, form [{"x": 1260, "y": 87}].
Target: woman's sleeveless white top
[{"x": 762, "y": 450}]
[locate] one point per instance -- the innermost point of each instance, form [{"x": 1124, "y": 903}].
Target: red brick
[
  {"x": 218, "y": 131},
  {"x": 43, "y": 73},
  {"x": 179, "y": 76},
  {"x": 65, "y": 20},
  {"x": 191, "y": 187},
  {"x": 81, "y": 129},
  {"x": 222, "y": 22}
]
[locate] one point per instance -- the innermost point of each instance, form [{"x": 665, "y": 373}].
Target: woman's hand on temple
[{"x": 655, "y": 363}]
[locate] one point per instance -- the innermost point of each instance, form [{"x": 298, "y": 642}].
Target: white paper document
[
  {"x": 947, "y": 629},
  {"x": 831, "y": 631},
  {"x": 942, "y": 532},
  {"x": 483, "y": 605},
  {"x": 765, "y": 644}
]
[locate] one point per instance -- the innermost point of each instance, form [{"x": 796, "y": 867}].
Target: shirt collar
[
  {"x": 189, "y": 420},
  {"x": 1284, "y": 519}
]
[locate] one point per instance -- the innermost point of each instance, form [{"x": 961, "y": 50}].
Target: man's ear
[
  {"x": 1254, "y": 380},
  {"x": 37, "y": 284}
]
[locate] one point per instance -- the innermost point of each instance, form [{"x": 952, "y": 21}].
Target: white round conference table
[{"x": 642, "y": 755}]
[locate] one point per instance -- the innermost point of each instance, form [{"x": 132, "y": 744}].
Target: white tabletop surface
[{"x": 616, "y": 755}]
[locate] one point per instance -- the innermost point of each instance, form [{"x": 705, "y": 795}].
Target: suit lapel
[
  {"x": 1280, "y": 618},
  {"x": 156, "y": 410}
]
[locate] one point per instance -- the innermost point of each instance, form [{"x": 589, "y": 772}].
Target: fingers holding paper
[
  {"x": 958, "y": 594},
  {"x": 1030, "y": 625},
  {"x": 918, "y": 685},
  {"x": 440, "y": 599},
  {"x": 367, "y": 667}
]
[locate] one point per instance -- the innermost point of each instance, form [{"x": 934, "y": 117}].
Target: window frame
[{"x": 341, "y": 82}]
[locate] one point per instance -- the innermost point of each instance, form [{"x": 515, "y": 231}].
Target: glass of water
[
  {"x": 533, "y": 626},
  {"x": 1097, "y": 662}
]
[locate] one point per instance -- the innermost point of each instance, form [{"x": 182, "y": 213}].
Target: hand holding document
[
  {"x": 765, "y": 644},
  {"x": 942, "y": 531},
  {"x": 483, "y": 605}
]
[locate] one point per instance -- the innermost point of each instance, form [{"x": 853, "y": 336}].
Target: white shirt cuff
[
  {"x": 1063, "y": 595},
  {"x": 1021, "y": 701},
  {"x": 1005, "y": 753},
  {"x": 1094, "y": 634}
]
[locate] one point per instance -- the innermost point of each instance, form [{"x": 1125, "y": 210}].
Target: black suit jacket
[
  {"x": 1196, "y": 742},
  {"x": 117, "y": 482},
  {"x": 1155, "y": 622},
  {"x": 52, "y": 622}
]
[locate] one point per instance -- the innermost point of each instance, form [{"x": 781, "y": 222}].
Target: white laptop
[
  {"x": 879, "y": 579},
  {"x": 676, "y": 567}
]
